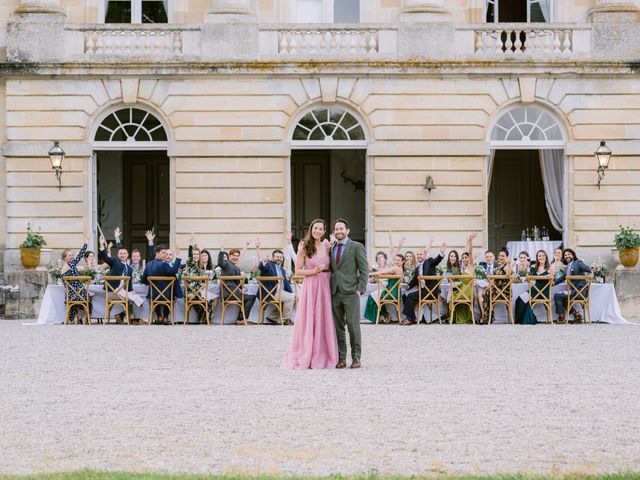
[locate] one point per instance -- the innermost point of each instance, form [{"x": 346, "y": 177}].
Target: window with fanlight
[
  {"x": 135, "y": 11},
  {"x": 519, "y": 11}
]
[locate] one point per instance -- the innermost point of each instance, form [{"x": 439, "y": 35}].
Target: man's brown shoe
[
  {"x": 341, "y": 364},
  {"x": 355, "y": 363}
]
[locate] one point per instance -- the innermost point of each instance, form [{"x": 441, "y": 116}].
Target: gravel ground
[{"x": 429, "y": 400}]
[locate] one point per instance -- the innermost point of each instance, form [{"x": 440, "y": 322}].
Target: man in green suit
[{"x": 349, "y": 275}]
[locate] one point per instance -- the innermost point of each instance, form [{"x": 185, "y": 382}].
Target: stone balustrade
[
  {"x": 504, "y": 39},
  {"x": 152, "y": 41},
  {"x": 305, "y": 40}
]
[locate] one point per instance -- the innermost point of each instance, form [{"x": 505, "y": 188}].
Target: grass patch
[{"x": 92, "y": 475}]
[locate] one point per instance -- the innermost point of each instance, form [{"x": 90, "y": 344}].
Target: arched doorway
[
  {"x": 131, "y": 176},
  {"x": 328, "y": 170},
  {"x": 526, "y": 176}
]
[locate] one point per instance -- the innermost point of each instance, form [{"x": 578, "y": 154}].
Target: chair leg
[
  {"x": 171, "y": 312},
  {"x": 452, "y": 313},
  {"x": 223, "y": 309},
  {"x": 511, "y": 314},
  {"x": 490, "y": 313},
  {"x": 378, "y": 314},
  {"x": 473, "y": 313}
]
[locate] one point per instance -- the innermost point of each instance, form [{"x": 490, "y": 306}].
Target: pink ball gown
[{"x": 314, "y": 343}]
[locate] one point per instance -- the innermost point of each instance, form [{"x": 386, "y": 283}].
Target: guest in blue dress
[{"x": 70, "y": 269}]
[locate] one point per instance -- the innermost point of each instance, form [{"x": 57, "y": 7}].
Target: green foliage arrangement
[
  {"x": 626, "y": 238},
  {"x": 34, "y": 239}
]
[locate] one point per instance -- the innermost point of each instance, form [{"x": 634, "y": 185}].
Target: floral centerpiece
[
  {"x": 136, "y": 276},
  {"x": 627, "y": 241},
  {"x": 439, "y": 270},
  {"x": 600, "y": 271},
  {"x": 480, "y": 273},
  {"x": 55, "y": 273}
]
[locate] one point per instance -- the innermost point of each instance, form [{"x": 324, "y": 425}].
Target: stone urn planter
[
  {"x": 627, "y": 241},
  {"x": 29, "y": 257},
  {"x": 629, "y": 257},
  {"x": 30, "y": 249}
]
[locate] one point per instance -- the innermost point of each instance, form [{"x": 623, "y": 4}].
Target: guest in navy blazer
[
  {"x": 274, "y": 267},
  {"x": 175, "y": 264},
  {"x": 574, "y": 267},
  {"x": 158, "y": 267},
  {"x": 490, "y": 264}
]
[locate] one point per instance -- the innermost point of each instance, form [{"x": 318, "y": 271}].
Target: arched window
[
  {"x": 130, "y": 125},
  {"x": 527, "y": 126},
  {"x": 329, "y": 126}
]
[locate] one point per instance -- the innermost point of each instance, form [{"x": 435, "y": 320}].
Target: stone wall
[
  {"x": 627, "y": 284},
  {"x": 24, "y": 304}
]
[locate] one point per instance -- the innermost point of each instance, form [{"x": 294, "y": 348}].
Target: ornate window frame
[
  {"x": 515, "y": 127},
  {"x": 150, "y": 125}
]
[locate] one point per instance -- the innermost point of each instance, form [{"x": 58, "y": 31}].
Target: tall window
[
  {"x": 328, "y": 11},
  {"x": 518, "y": 11},
  {"x": 136, "y": 11}
]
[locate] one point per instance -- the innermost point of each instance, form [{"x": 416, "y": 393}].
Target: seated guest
[
  {"x": 70, "y": 269},
  {"x": 540, "y": 268},
  {"x": 521, "y": 267},
  {"x": 137, "y": 264},
  {"x": 452, "y": 266},
  {"x": 371, "y": 309},
  {"x": 557, "y": 266},
  {"x": 467, "y": 267},
  {"x": 274, "y": 267},
  {"x": 204, "y": 263},
  {"x": 426, "y": 267},
  {"x": 91, "y": 263},
  {"x": 489, "y": 265},
  {"x": 503, "y": 269},
  {"x": 228, "y": 263},
  {"x": 120, "y": 268},
  {"x": 158, "y": 267},
  {"x": 409, "y": 265},
  {"x": 195, "y": 268},
  {"x": 177, "y": 291},
  {"x": 381, "y": 263},
  {"x": 574, "y": 266}
]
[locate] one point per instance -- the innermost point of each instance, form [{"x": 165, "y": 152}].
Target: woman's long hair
[
  {"x": 209, "y": 265},
  {"x": 546, "y": 260},
  {"x": 451, "y": 266},
  {"x": 309, "y": 241}
]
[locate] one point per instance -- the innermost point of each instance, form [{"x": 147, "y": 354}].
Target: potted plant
[
  {"x": 30, "y": 249},
  {"x": 627, "y": 241}
]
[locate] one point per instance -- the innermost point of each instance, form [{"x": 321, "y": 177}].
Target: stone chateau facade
[{"x": 238, "y": 119}]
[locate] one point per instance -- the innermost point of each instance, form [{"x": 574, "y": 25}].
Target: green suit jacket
[{"x": 353, "y": 272}]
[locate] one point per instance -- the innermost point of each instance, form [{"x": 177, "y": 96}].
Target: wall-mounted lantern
[
  {"x": 603, "y": 155},
  {"x": 56, "y": 154},
  {"x": 428, "y": 186}
]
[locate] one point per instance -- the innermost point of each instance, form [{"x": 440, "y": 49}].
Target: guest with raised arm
[
  {"x": 573, "y": 267},
  {"x": 426, "y": 267},
  {"x": 228, "y": 263},
  {"x": 463, "y": 312},
  {"x": 196, "y": 266},
  {"x": 503, "y": 269},
  {"x": 274, "y": 267},
  {"x": 371, "y": 309},
  {"x": 91, "y": 263},
  {"x": 69, "y": 268},
  {"x": 158, "y": 267}
]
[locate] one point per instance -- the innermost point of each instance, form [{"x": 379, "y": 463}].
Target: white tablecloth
[
  {"x": 604, "y": 303},
  {"x": 532, "y": 248},
  {"x": 52, "y": 310}
]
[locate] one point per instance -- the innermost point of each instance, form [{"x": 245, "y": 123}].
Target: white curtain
[
  {"x": 540, "y": 7},
  {"x": 166, "y": 8},
  {"x": 552, "y": 166},
  {"x": 491, "y": 159}
]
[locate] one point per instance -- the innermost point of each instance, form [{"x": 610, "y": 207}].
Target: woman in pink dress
[{"x": 314, "y": 343}]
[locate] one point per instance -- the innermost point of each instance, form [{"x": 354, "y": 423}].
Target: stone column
[
  {"x": 230, "y": 30},
  {"x": 35, "y": 32},
  {"x": 616, "y": 28},
  {"x": 426, "y": 30}
]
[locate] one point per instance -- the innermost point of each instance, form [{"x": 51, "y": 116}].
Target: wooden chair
[
  {"x": 270, "y": 295},
  {"x": 71, "y": 290},
  {"x": 460, "y": 296},
  {"x": 196, "y": 294},
  {"x": 500, "y": 293},
  {"x": 537, "y": 296},
  {"x": 232, "y": 294},
  {"x": 161, "y": 295},
  {"x": 386, "y": 293},
  {"x": 296, "y": 281},
  {"x": 118, "y": 295},
  {"x": 579, "y": 295},
  {"x": 430, "y": 297}
]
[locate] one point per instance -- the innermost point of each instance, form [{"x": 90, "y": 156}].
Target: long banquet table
[{"x": 604, "y": 304}]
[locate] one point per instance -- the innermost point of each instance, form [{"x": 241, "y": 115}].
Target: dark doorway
[
  {"x": 516, "y": 197},
  {"x": 328, "y": 184},
  {"x": 133, "y": 193}
]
